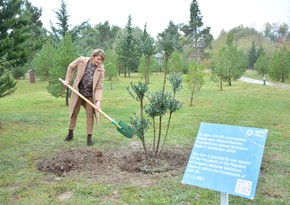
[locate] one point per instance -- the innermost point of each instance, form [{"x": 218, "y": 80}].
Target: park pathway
[{"x": 251, "y": 80}]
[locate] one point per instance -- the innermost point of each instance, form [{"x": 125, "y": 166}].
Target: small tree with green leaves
[
  {"x": 160, "y": 102},
  {"x": 158, "y": 106},
  {"x": 111, "y": 72},
  {"x": 263, "y": 64},
  {"x": 140, "y": 125},
  {"x": 194, "y": 80},
  {"x": 111, "y": 66}
]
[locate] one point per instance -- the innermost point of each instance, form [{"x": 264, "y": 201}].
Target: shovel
[{"x": 121, "y": 126}]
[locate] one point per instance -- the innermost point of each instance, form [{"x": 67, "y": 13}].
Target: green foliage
[
  {"x": 229, "y": 63},
  {"x": 243, "y": 37},
  {"x": 194, "y": 80},
  {"x": 263, "y": 64},
  {"x": 62, "y": 26},
  {"x": 128, "y": 49},
  {"x": 280, "y": 68},
  {"x": 20, "y": 37},
  {"x": 148, "y": 49},
  {"x": 158, "y": 104},
  {"x": 175, "y": 64},
  {"x": 275, "y": 31},
  {"x": 111, "y": 72},
  {"x": 140, "y": 126},
  {"x": 168, "y": 43},
  {"x": 101, "y": 35},
  {"x": 199, "y": 37},
  {"x": 168, "y": 40},
  {"x": 65, "y": 54},
  {"x": 19, "y": 72},
  {"x": 20, "y": 29},
  {"x": 138, "y": 91},
  {"x": 44, "y": 61},
  {"x": 252, "y": 56},
  {"x": 41, "y": 121},
  {"x": 7, "y": 84},
  {"x": 176, "y": 82}
]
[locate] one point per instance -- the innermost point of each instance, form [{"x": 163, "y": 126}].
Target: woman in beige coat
[{"x": 88, "y": 81}]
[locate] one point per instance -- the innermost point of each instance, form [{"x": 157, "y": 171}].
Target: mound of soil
[{"x": 127, "y": 164}]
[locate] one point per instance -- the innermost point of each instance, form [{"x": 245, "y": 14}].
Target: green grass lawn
[{"x": 34, "y": 124}]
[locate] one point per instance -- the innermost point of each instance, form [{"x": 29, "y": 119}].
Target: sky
[{"x": 217, "y": 14}]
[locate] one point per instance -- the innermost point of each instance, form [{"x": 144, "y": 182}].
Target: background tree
[
  {"x": 65, "y": 54},
  {"x": 168, "y": 43},
  {"x": 175, "y": 64},
  {"x": 148, "y": 49},
  {"x": 62, "y": 25},
  {"x": 194, "y": 80},
  {"x": 252, "y": 56},
  {"x": 219, "y": 67},
  {"x": 276, "y": 32},
  {"x": 199, "y": 37},
  {"x": 111, "y": 67},
  {"x": 236, "y": 62},
  {"x": 129, "y": 49},
  {"x": 44, "y": 61},
  {"x": 280, "y": 68},
  {"x": 263, "y": 64},
  {"x": 20, "y": 37}
]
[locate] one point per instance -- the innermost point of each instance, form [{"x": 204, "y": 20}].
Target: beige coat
[{"x": 77, "y": 68}]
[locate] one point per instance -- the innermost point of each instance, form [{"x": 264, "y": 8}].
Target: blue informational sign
[{"x": 226, "y": 158}]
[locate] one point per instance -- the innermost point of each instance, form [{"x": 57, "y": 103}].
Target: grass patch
[{"x": 34, "y": 124}]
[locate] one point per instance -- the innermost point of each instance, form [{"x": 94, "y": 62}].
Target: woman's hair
[{"x": 99, "y": 52}]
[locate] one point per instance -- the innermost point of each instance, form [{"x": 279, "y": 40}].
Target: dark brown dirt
[{"x": 125, "y": 165}]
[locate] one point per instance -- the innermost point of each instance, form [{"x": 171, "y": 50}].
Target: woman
[{"x": 89, "y": 75}]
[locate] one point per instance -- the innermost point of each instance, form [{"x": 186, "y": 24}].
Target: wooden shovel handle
[{"x": 92, "y": 104}]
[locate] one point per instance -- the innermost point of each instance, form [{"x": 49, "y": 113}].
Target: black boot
[
  {"x": 69, "y": 136},
  {"x": 89, "y": 140}
]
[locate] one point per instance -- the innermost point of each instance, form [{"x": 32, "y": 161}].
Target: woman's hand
[{"x": 98, "y": 105}]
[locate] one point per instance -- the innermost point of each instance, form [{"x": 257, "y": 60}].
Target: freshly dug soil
[{"x": 125, "y": 165}]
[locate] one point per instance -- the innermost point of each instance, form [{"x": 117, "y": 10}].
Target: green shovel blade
[{"x": 125, "y": 130}]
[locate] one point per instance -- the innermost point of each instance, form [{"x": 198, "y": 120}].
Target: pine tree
[
  {"x": 199, "y": 37},
  {"x": 20, "y": 36}
]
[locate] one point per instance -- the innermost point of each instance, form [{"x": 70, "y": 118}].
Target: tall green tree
[
  {"x": 65, "y": 54},
  {"x": 20, "y": 32},
  {"x": 280, "y": 67},
  {"x": 219, "y": 67},
  {"x": 199, "y": 37},
  {"x": 62, "y": 25},
  {"x": 236, "y": 61},
  {"x": 263, "y": 64},
  {"x": 128, "y": 49},
  {"x": 44, "y": 61},
  {"x": 252, "y": 55},
  {"x": 229, "y": 63}
]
